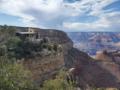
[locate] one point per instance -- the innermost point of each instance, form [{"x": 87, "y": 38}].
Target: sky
[{"x": 66, "y": 15}]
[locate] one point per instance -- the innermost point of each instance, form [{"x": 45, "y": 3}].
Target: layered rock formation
[
  {"x": 93, "y": 73},
  {"x": 89, "y": 72},
  {"x": 45, "y": 67},
  {"x": 91, "y": 42}
]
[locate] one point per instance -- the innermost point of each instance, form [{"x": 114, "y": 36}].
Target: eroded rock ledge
[
  {"x": 43, "y": 68},
  {"x": 90, "y": 72}
]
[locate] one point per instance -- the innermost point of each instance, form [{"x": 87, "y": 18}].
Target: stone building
[{"x": 28, "y": 34}]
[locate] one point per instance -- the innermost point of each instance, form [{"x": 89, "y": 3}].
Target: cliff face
[
  {"x": 91, "y": 72},
  {"x": 45, "y": 67},
  {"x": 55, "y": 36},
  {"x": 74, "y": 57},
  {"x": 88, "y": 71},
  {"x": 91, "y": 42}
]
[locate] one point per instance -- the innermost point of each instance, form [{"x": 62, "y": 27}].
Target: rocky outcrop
[
  {"x": 91, "y": 42},
  {"x": 90, "y": 72},
  {"x": 54, "y": 36},
  {"x": 75, "y": 56},
  {"x": 45, "y": 67},
  {"x": 111, "y": 62}
]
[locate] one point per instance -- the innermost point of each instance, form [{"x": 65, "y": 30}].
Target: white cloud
[
  {"x": 25, "y": 9},
  {"x": 55, "y": 13},
  {"x": 94, "y": 6},
  {"x": 97, "y": 7},
  {"x": 106, "y": 22}
]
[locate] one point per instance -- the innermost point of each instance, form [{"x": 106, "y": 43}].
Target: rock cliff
[
  {"x": 89, "y": 71},
  {"x": 45, "y": 67}
]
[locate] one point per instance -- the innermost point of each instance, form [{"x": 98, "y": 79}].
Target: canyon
[
  {"x": 91, "y": 42},
  {"x": 100, "y": 72}
]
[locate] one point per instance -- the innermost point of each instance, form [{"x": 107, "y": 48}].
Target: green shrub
[
  {"x": 55, "y": 48},
  {"x": 13, "y": 42},
  {"x": 49, "y": 47},
  {"x": 7, "y": 30},
  {"x": 3, "y": 50},
  {"x": 14, "y": 76},
  {"x": 45, "y": 40},
  {"x": 59, "y": 83}
]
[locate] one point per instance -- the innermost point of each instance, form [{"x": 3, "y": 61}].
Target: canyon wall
[
  {"x": 43, "y": 68},
  {"x": 89, "y": 72}
]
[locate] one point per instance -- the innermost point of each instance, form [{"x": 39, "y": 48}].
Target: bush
[
  {"x": 59, "y": 83},
  {"x": 50, "y": 47},
  {"x": 45, "y": 40},
  {"x": 8, "y": 30},
  {"x": 55, "y": 48},
  {"x": 14, "y": 76},
  {"x": 3, "y": 50},
  {"x": 13, "y": 42}
]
